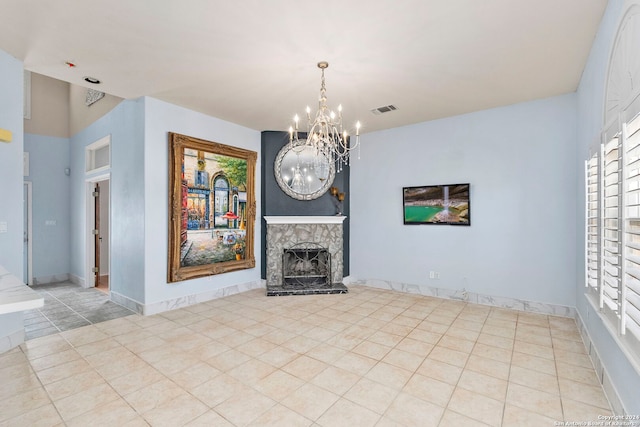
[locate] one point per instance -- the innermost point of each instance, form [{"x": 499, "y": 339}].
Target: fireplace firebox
[
  {"x": 306, "y": 265},
  {"x": 306, "y": 270}
]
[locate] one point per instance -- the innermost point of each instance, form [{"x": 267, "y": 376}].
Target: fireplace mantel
[{"x": 283, "y": 219}]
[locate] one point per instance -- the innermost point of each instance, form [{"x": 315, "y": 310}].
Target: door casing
[{"x": 28, "y": 231}]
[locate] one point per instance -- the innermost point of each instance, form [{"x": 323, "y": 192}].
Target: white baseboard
[
  {"x": 77, "y": 280},
  {"x": 55, "y": 278},
  {"x": 127, "y": 302},
  {"x": 472, "y": 297},
  {"x": 185, "y": 301},
  {"x": 172, "y": 304},
  {"x": 599, "y": 367}
]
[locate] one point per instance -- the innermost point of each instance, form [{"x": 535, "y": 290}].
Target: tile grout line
[
  {"x": 47, "y": 317},
  {"x": 72, "y": 310},
  {"x": 513, "y": 350},
  {"x": 465, "y": 367},
  {"x": 555, "y": 365},
  {"x": 425, "y": 357},
  {"x": 42, "y": 386}
]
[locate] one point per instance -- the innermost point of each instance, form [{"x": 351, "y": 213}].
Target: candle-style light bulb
[
  {"x": 295, "y": 119},
  {"x": 290, "y": 133},
  {"x": 333, "y": 115},
  {"x": 358, "y": 129}
]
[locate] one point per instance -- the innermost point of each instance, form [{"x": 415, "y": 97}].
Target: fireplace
[
  {"x": 306, "y": 265},
  {"x": 304, "y": 255}
]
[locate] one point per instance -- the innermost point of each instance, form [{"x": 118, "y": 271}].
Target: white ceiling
[{"x": 253, "y": 62}]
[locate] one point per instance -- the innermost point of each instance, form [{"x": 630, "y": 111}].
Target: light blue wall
[
  {"x": 591, "y": 93},
  {"x": 125, "y": 125},
  {"x": 161, "y": 118},
  {"x": 520, "y": 161},
  {"x": 139, "y": 190},
  {"x": 11, "y": 118},
  {"x": 48, "y": 158}
]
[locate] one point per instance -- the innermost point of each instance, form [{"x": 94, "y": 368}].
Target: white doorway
[
  {"x": 98, "y": 247},
  {"x": 27, "y": 198}
]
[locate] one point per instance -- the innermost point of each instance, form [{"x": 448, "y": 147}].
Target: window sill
[{"x": 624, "y": 343}]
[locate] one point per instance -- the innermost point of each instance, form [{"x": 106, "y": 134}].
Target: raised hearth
[{"x": 312, "y": 245}]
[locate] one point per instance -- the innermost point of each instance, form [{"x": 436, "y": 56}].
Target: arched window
[{"x": 613, "y": 191}]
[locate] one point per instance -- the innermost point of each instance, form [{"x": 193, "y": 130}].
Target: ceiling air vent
[{"x": 385, "y": 109}]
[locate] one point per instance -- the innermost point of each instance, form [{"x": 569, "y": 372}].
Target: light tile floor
[{"x": 368, "y": 358}]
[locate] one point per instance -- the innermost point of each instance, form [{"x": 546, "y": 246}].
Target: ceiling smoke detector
[{"x": 385, "y": 109}]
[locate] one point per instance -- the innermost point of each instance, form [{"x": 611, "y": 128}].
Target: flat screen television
[{"x": 437, "y": 204}]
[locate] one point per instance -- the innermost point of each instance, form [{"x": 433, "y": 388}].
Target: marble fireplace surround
[{"x": 286, "y": 231}]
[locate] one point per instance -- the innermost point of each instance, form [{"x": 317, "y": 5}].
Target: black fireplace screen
[{"x": 305, "y": 265}]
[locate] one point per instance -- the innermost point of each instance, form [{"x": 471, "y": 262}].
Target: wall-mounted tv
[{"x": 437, "y": 204}]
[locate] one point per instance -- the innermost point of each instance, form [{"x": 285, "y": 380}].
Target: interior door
[{"x": 96, "y": 234}]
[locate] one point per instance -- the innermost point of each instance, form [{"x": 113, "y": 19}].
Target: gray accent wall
[{"x": 277, "y": 202}]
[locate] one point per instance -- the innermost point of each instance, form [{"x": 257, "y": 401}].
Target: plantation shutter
[
  {"x": 592, "y": 183},
  {"x": 610, "y": 224},
  {"x": 630, "y": 290}
]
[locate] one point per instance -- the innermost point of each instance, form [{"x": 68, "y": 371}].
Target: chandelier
[{"x": 325, "y": 134}]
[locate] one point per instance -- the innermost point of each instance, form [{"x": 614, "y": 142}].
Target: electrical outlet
[
  {"x": 432, "y": 275},
  {"x": 437, "y": 275}
]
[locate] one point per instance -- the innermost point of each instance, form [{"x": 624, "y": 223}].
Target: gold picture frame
[{"x": 212, "y": 208}]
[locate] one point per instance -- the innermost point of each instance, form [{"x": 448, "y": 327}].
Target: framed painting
[{"x": 212, "y": 208}]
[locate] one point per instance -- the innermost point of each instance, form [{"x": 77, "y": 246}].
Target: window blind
[
  {"x": 610, "y": 225},
  {"x": 630, "y": 290},
  {"x": 592, "y": 183}
]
